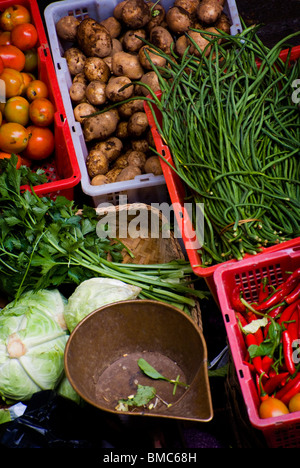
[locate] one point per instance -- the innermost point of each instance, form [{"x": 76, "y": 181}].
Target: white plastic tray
[{"x": 147, "y": 187}]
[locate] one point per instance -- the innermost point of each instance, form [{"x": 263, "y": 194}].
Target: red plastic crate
[
  {"x": 61, "y": 168},
  {"x": 177, "y": 194},
  {"x": 281, "y": 431}
]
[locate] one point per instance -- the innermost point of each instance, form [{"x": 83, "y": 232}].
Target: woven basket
[{"x": 162, "y": 248}]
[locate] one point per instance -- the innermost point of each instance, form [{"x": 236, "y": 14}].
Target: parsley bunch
[{"x": 44, "y": 244}]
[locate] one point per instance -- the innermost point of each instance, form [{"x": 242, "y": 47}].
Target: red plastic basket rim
[{"x": 176, "y": 192}]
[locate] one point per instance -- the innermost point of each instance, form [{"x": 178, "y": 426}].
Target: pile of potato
[{"x": 104, "y": 56}]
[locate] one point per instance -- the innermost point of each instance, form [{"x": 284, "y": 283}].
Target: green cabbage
[
  {"x": 94, "y": 293},
  {"x": 33, "y": 336}
]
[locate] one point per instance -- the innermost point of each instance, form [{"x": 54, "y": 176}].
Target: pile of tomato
[{"x": 27, "y": 115}]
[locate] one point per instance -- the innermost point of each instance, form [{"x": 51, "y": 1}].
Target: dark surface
[{"x": 229, "y": 427}]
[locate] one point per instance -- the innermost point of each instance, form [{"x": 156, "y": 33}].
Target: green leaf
[
  {"x": 142, "y": 397},
  {"x": 149, "y": 370}
]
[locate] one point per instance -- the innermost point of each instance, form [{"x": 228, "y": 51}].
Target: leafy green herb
[
  {"x": 44, "y": 244},
  {"x": 142, "y": 397},
  {"x": 154, "y": 374}
]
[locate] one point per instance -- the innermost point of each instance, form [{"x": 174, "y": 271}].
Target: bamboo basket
[{"x": 162, "y": 248}]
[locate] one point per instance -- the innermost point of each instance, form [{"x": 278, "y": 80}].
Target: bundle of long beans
[{"x": 233, "y": 130}]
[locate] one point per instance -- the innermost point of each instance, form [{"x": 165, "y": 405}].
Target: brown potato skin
[
  {"x": 66, "y": 28},
  {"x": 128, "y": 173},
  {"x": 113, "y": 88},
  {"x": 153, "y": 166},
  {"x": 95, "y": 68},
  {"x": 137, "y": 124},
  {"x": 96, "y": 163},
  {"x": 75, "y": 60},
  {"x": 93, "y": 38},
  {"x": 111, "y": 147},
  {"x": 161, "y": 38},
  {"x": 135, "y": 14},
  {"x": 127, "y": 64},
  {"x": 100, "y": 126}
]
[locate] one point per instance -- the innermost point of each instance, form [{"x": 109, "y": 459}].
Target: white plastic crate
[{"x": 144, "y": 188}]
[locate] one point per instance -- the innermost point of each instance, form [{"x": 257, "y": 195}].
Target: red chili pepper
[
  {"x": 267, "y": 362},
  {"x": 263, "y": 395},
  {"x": 259, "y": 333},
  {"x": 287, "y": 313},
  {"x": 250, "y": 365},
  {"x": 274, "y": 313},
  {"x": 288, "y": 386},
  {"x": 293, "y": 326},
  {"x": 294, "y": 295},
  {"x": 240, "y": 318},
  {"x": 273, "y": 382},
  {"x": 288, "y": 352},
  {"x": 264, "y": 290},
  {"x": 236, "y": 299},
  {"x": 257, "y": 360},
  {"x": 281, "y": 292},
  {"x": 288, "y": 395}
]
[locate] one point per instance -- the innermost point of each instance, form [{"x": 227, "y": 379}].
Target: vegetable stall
[{"x": 223, "y": 105}]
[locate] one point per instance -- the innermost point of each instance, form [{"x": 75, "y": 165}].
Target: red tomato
[
  {"x": 24, "y": 36},
  {"x": 40, "y": 143},
  {"x": 1, "y": 65},
  {"x": 5, "y": 38},
  {"x": 8, "y": 155},
  {"x": 36, "y": 89},
  {"x": 31, "y": 60},
  {"x": 14, "y": 82},
  {"x": 12, "y": 57},
  {"x": 13, "y": 138},
  {"x": 272, "y": 407},
  {"x": 13, "y": 15},
  {"x": 17, "y": 110},
  {"x": 41, "y": 112}
]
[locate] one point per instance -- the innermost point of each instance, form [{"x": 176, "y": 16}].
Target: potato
[
  {"x": 128, "y": 173},
  {"x": 96, "y": 163},
  {"x": 128, "y": 108},
  {"x": 131, "y": 42},
  {"x": 66, "y": 28},
  {"x": 122, "y": 161},
  {"x": 137, "y": 124},
  {"x": 81, "y": 78},
  {"x": 135, "y": 14},
  {"x": 150, "y": 79},
  {"x": 157, "y": 13},
  {"x": 82, "y": 110},
  {"x": 95, "y": 92},
  {"x": 122, "y": 130},
  {"x": 112, "y": 174},
  {"x": 140, "y": 145},
  {"x": 96, "y": 69},
  {"x": 137, "y": 158},
  {"x": 100, "y": 126},
  {"x": 209, "y": 11},
  {"x": 93, "y": 38},
  {"x": 108, "y": 61},
  {"x": 202, "y": 43},
  {"x": 161, "y": 38},
  {"x": 99, "y": 179},
  {"x": 116, "y": 47},
  {"x": 117, "y": 13},
  {"x": 113, "y": 26},
  {"x": 153, "y": 166},
  {"x": 190, "y": 6},
  {"x": 154, "y": 58},
  {"x": 128, "y": 65},
  {"x": 182, "y": 43},
  {"x": 111, "y": 148},
  {"x": 77, "y": 92},
  {"x": 75, "y": 60},
  {"x": 178, "y": 20},
  {"x": 223, "y": 23},
  {"x": 113, "y": 88}
]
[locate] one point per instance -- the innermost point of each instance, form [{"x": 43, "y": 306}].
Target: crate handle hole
[
  {"x": 227, "y": 319},
  {"x": 241, "y": 373}
]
